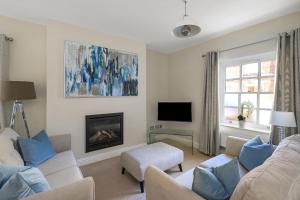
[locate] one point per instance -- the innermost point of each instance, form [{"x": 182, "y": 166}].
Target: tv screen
[{"x": 175, "y": 111}]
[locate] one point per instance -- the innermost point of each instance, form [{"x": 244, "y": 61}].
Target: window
[{"x": 247, "y": 87}]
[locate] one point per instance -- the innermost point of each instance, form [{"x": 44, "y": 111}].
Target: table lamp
[
  {"x": 17, "y": 91},
  {"x": 282, "y": 120}
]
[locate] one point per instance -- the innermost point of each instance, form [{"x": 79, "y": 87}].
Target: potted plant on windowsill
[{"x": 241, "y": 119}]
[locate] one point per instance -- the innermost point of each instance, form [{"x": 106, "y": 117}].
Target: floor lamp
[
  {"x": 282, "y": 120},
  {"x": 17, "y": 91}
]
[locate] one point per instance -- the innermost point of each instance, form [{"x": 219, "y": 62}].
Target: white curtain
[
  {"x": 287, "y": 89},
  {"x": 3, "y": 72},
  {"x": 209, "y": 134}
]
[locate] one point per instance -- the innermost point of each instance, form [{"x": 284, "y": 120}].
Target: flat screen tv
[{"x": 175, "y": 111}]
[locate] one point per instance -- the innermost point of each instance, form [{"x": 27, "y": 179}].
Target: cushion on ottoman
[{"x": 159, "y": 154}]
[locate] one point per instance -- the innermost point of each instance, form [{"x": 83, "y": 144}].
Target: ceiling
[{"x": 151, "y": 21}]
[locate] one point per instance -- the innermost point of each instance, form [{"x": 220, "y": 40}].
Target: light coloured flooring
[{"x": 110, "y": 184}]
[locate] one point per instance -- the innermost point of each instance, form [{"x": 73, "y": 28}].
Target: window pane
[
  {"x": 268, "y": 68},
  {"x": 266, "y": 101},
  {"x": 264, "y": 117},
  {"x": 250, "y": 70},
  {"x": 232, "y": 72},
  {"x": 267, "y": 85},
  {"x": 249, "y": 85},
  {"x": 249, "y": 100},
  {"x": 230, "y": 113},
  {"x": 231, "y": 100},
  {"x": 250, "y": 116},
  {"x": 233, "y": 86}
]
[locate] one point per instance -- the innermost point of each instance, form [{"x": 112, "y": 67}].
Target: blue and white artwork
[{"x": 92, "y": 71}]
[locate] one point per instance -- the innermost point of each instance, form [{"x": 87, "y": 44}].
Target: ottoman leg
[
  {"x": 142, "y": 186},
  {"x": 123, "y": 170},
  {"x": 180, "y": 167}
]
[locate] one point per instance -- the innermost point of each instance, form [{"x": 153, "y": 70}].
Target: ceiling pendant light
[{"x": 187, "y": 27}]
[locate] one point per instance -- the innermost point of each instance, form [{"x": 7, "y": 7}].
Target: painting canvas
[{"x": 92, "y": 71}]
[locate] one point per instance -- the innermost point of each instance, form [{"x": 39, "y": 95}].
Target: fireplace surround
[{"x": 103, "y": 131}]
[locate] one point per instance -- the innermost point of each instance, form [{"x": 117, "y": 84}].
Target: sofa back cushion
[
  {"x": 276, "y": 178},
  {"x": 8, "y": 154}
]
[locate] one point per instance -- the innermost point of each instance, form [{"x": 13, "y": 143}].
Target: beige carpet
[{"x": 112, "y": 185}]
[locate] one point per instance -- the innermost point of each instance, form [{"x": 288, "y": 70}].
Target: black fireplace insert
[{"x": 103, "y": 131}]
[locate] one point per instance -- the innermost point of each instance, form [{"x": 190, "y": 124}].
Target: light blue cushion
[
  {"x": 207, "y": 185},
  {"x": 37, "y": 149},
  {"x": 23, "y": 184},
  {"x": 254, "y": 141},
  {"x": 254, "y": 153},
  {"x": 6, "y": 171},
  {"x": 228, "y": 174}
]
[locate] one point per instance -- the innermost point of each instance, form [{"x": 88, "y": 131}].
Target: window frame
[{"x": 258, "y": 58}]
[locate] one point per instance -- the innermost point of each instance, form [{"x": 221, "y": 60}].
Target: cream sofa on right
[{"x": 277, "y": 179}]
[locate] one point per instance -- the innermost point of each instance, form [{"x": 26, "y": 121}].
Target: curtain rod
[
  {"x": 10, "y": 39},
  {"x": 244, "y": 45}
]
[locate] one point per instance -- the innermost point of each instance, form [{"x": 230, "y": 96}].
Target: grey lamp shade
[{"x": 17, "y": 90}]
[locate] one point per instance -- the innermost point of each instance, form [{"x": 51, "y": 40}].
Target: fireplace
[{"x": 103, "y": 131}]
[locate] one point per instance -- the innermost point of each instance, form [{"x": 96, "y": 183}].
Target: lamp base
[
  {"x": 281, "y": 132},
  {"x": 18, "y": 106}
]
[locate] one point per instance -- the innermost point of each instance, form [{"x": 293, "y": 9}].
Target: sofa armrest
[
  {"x": 234, "y": 145},
  {"x": 161, "y": 186},
  {"x": 81, "y": 190},
  {"x": 61, "y": 142}
]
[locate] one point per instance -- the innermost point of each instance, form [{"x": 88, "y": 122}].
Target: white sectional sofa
[
  {"x": 61, "y": 171},
  {"x": 277, "y": 179}
]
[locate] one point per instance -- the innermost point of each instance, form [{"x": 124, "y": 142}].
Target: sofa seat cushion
[
  {"x": 64, "y": 177},
  {"x": 221, "y": 160},
  {"x": 186, "y": 178},
  {"x": 276, "y": 177},
  {"x": 58, "y": 163}
]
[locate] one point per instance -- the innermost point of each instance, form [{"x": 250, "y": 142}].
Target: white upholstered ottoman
[{"x": 159, "y": 154}]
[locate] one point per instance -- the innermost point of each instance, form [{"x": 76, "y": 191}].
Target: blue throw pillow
[
  {"x": 6, "y": 171},
  {"x": 23, "y": 184},
  {"x": 254, "y": 153},
  {"x": 207, "y": 185},
  {"x": 228, "y": 174},
  {"x": 254, "y": 141},
  {"x": 37, "y": 149}
]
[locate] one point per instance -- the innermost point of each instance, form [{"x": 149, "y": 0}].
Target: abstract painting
[{"x": 92, "y": 71}]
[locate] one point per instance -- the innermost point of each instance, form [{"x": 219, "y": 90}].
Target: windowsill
[{"x": 247, "y": 128}]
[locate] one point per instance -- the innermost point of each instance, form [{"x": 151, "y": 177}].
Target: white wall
[
  {"x": 186, "y": 72},
  {"x": 157, "y": 83},
  {"x": 27, "y": 62},
  {"x": 67, "y": 115}
]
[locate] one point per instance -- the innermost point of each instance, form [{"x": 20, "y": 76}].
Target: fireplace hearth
[{"x": 103, "y": 131}]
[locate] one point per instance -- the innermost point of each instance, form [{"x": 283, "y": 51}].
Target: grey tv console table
[{"x": 167, "y": 131}]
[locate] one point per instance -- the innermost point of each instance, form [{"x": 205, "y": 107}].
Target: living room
[{"x": 172, "y": 106}]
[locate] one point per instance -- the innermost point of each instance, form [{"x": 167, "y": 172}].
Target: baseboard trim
[{"x": 106, "y": 155}]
